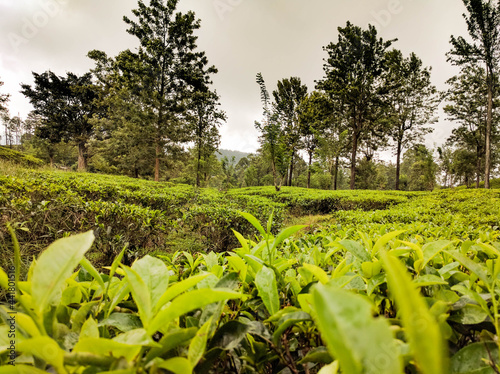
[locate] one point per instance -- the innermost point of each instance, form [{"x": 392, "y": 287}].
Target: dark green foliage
[
  {"x": 419, "y": 168},
  {"x": 353, "y": 73},
  {"x": 412, "y": 101},
  {"x": 65, "y": 105},
  {"x": 171, "y": 69},
  {"x": 483, "y": 24}
]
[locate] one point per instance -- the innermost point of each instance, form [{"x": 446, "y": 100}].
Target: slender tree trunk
[
  {"x": 398, "y": 164},
  {"x": 198, "y": 166},
  {"x": 275, "y": 179},
  {"x": 478, "y": 167},
  {"x": 51, "y": 154},
  {"x": 353, "y": 159},
  {"x": 487, "y": 163},
  {"x": 309, "y": 171},
  {"x": 336, "y": 174},
  {"x": 82, "y": 156},
  {"x": 290, "y": 176},
  {"x": 157, "y": 163}
]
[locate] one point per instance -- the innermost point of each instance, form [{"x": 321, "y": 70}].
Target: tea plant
[{"x": 280, "y": 303}]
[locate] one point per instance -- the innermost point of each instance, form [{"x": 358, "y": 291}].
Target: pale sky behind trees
[{"x": 279, "y": 38}]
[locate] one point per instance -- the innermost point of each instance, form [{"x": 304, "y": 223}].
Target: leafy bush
[
  {"x": 10, "y": 155},
  {"x": 317, "y": 303}
]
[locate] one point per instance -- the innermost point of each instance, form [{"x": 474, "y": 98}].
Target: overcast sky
[{"x": 279, "y": 38}]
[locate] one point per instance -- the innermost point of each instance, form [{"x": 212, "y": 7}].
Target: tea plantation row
[
  {"x": 322, "y": 303},
  {"x": 384, "y": 283},
  {"x": 150, "y": 216}
]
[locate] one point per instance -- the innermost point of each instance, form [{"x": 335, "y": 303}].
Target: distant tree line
[
  {"x": 152, "y": 113},
  {"x": 373, "y": 98}
]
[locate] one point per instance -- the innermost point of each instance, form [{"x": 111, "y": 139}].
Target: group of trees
[
  {"x": 153, "y": 113},
  {"x": 369, "y": 96},
  {"x": 133, "y": 112},
  {"x": 372, "y": 97}
]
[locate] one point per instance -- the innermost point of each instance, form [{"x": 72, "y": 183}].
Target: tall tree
[
  {"x": 172, "y": 68},
  {"x": 419, "y": 168},
  {"x": 315, "y": 114},
  {"x": 4, "y": 99},
  {"x": 206, "y": 118},
  {"x": 468, "y": 105},
  {"x": 272, "y": 136},
  {"x": 412, "y": 102},
  {"x": 288, "y": 96},
  {"x": 353, "y": 73},
  {"x": 66, "y": 105},
  {"x": 483, "y": 24},
  {"x": 124, "y": 135}
]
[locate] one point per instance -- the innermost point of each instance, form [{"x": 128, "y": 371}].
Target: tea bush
[
  {"x": 149, "y": 216},
  {"x": 15, "y": 157},
  {"x": 387, "y": 302}
]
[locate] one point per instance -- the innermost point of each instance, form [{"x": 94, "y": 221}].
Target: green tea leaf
[
  {"x": 238, "y": 265},
  {"x": 171, "y": 340},
  {"x": 54, "y": 266},
  {"x": 287, "y": 321},
  {"x": 421, "y": 327},
  {"x": 317, "y": 355},
  {"x": 136, "y": 337},
  {"x": 46, "y": 349},
  {"x": 211, "y": 260},
  {"x": 255, "y": 223},
  {"x": 4, "y": 279},
  {"x": 89, "y": 329},
  {"x": 285, "y": 234},
  {"x": 242, "y": 240},
  {"x": 430, "y": 250},
  {"x": 26, "y": 324},
  {"x": 469, "y": 315},
  {"x": 92, "y": 271},
  {"x": 122, "y": 321},
  {"x": 188, "y": 302},
  {"x": 473, "y": 359},
  {"x": 116, "y": 262},
  {"x": 319, "y": 273},
  {"x": 107, "y": 347},
  {"x": 230, "y": 335},
  {"x": 361, "y": 343},
  {"x": 140, "y": 293},
  {"x": 381, "y": 242},
  {"x": 265, "y": 281},
  {"x": 180, "y": 287},
  {"x": 474, "y": 267},
  {"x": 199, "y": 344},
  {"x": 356, "y": 249},
  {"x": 154, "y": 273},
  {"x": 332, "y": 368},
  {"x": 177, "y": 365},
  {"x": 428, "y": 280}
]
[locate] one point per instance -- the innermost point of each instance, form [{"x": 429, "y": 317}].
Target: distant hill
[{"x": 228, "y": 153}]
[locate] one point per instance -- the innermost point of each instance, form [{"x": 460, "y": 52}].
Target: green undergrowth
[
  {"x": 460, "y": 214},
  {"x": 8, "y": 155},
  {"x": 291, "y": 302}
]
